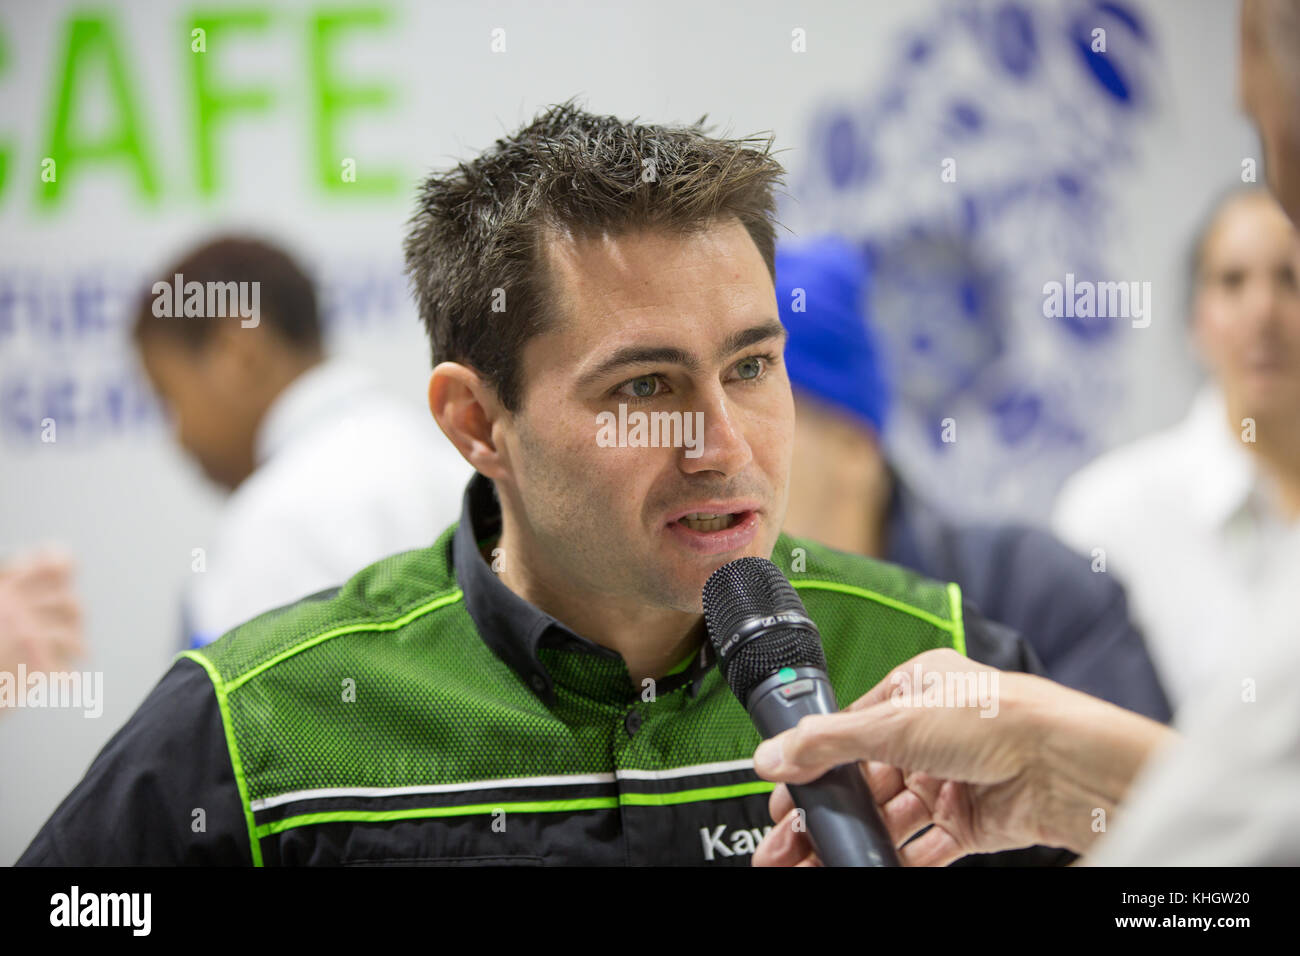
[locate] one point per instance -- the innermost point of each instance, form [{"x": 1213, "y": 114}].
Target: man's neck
[
  {"x": 281, "y": 371},
  {"x": 652, "y": 641}
]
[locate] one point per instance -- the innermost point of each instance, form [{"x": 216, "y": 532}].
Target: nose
[{"x": 721, "y": 441}]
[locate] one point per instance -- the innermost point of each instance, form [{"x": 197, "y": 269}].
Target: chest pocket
[
  {"x": 419, "y": 842},
  {"x": 426, "y": 843}
]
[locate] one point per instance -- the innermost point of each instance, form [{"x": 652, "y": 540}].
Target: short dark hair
[
  {"x": 287, "y": 298},
  {"x": 480, "y": 227}
]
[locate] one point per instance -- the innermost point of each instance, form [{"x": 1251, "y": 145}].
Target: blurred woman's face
[{"x": 1247, "y": 312}]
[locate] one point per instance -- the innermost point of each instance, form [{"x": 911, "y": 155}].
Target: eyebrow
[{"x": 671, "y": 355}]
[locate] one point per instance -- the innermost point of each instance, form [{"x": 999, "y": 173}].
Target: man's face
[
  {"x": 1266, "y": 91},
  {"x": 196, "y": 396},
  {"x": 1248, "y": 308},
  {"x": 665, "y": 324}
]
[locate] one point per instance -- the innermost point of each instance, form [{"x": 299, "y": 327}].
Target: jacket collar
[{"x": 536, "y": 646}]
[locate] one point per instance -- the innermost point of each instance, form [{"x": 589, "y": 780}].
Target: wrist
[{"x": 1086, "y": 754}]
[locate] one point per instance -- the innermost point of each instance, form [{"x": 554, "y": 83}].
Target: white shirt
[
  {"x": 345, "y": 474},
  {"x": 1186, "y": 519},
  {"x": 1228, "y": 793}
]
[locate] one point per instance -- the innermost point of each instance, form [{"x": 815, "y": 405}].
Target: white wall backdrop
[{"x": 161, "y": 146}]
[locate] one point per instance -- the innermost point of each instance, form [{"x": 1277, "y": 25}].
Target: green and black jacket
[{"x": 424, "y": 713}]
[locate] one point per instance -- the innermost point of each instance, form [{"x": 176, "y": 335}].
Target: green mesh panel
[
  {"x": 872, "y": 615},
  {"x": 386, "y": 590},
  {"x": 433, "y": 704}
]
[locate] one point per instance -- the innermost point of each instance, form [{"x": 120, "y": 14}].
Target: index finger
[{"x": 821, "y": 741}]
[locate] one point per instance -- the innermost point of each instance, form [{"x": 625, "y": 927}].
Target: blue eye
[
  {"x": 640, "y": 389},
  {"x": 751, "y": 370}
]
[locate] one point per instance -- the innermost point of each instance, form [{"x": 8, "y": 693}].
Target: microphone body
[
  {"x": 770, "y": 653},
  {"x": 841, "y": 833}
]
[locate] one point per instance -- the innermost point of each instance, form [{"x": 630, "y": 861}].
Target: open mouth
[
  {"x": 709, "y": 522},
  {"x": 715, "y": 532}
]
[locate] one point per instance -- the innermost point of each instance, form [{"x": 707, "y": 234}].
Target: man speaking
[{"x": 537, "y": 687}]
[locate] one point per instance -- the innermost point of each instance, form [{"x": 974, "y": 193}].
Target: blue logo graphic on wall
[{"x": 978, "y": 168}]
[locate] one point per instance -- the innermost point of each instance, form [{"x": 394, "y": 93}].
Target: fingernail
[{"x": 767, "y": 758}]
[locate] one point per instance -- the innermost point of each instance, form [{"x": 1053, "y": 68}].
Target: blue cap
[{"x": 831, "y": 353}]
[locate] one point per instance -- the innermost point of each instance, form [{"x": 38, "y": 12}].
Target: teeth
[{"x": 703, "y": 522}]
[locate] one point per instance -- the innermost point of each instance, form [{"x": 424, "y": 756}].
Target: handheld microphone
[{"x": 770, "y": 653}]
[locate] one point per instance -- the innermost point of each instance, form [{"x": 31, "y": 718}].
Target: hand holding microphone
[
  {"x": 1033, "y": 775},
  {"x": 770, "y": 653},
  {"x": 870, "y": 778}
]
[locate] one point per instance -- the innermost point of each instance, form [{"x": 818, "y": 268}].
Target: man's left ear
[{"x": 466, "y": 409}]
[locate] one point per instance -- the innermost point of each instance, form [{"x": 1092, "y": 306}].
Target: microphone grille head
[{"x": 742, "y": 593}]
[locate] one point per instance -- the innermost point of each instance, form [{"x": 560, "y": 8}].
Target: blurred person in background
[
  {"x": 1202, "y": 521},
  {"x": 327, "y": 472},
  {"x": 40, "y": 616},
  {"x": 845, "y": 493}
]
